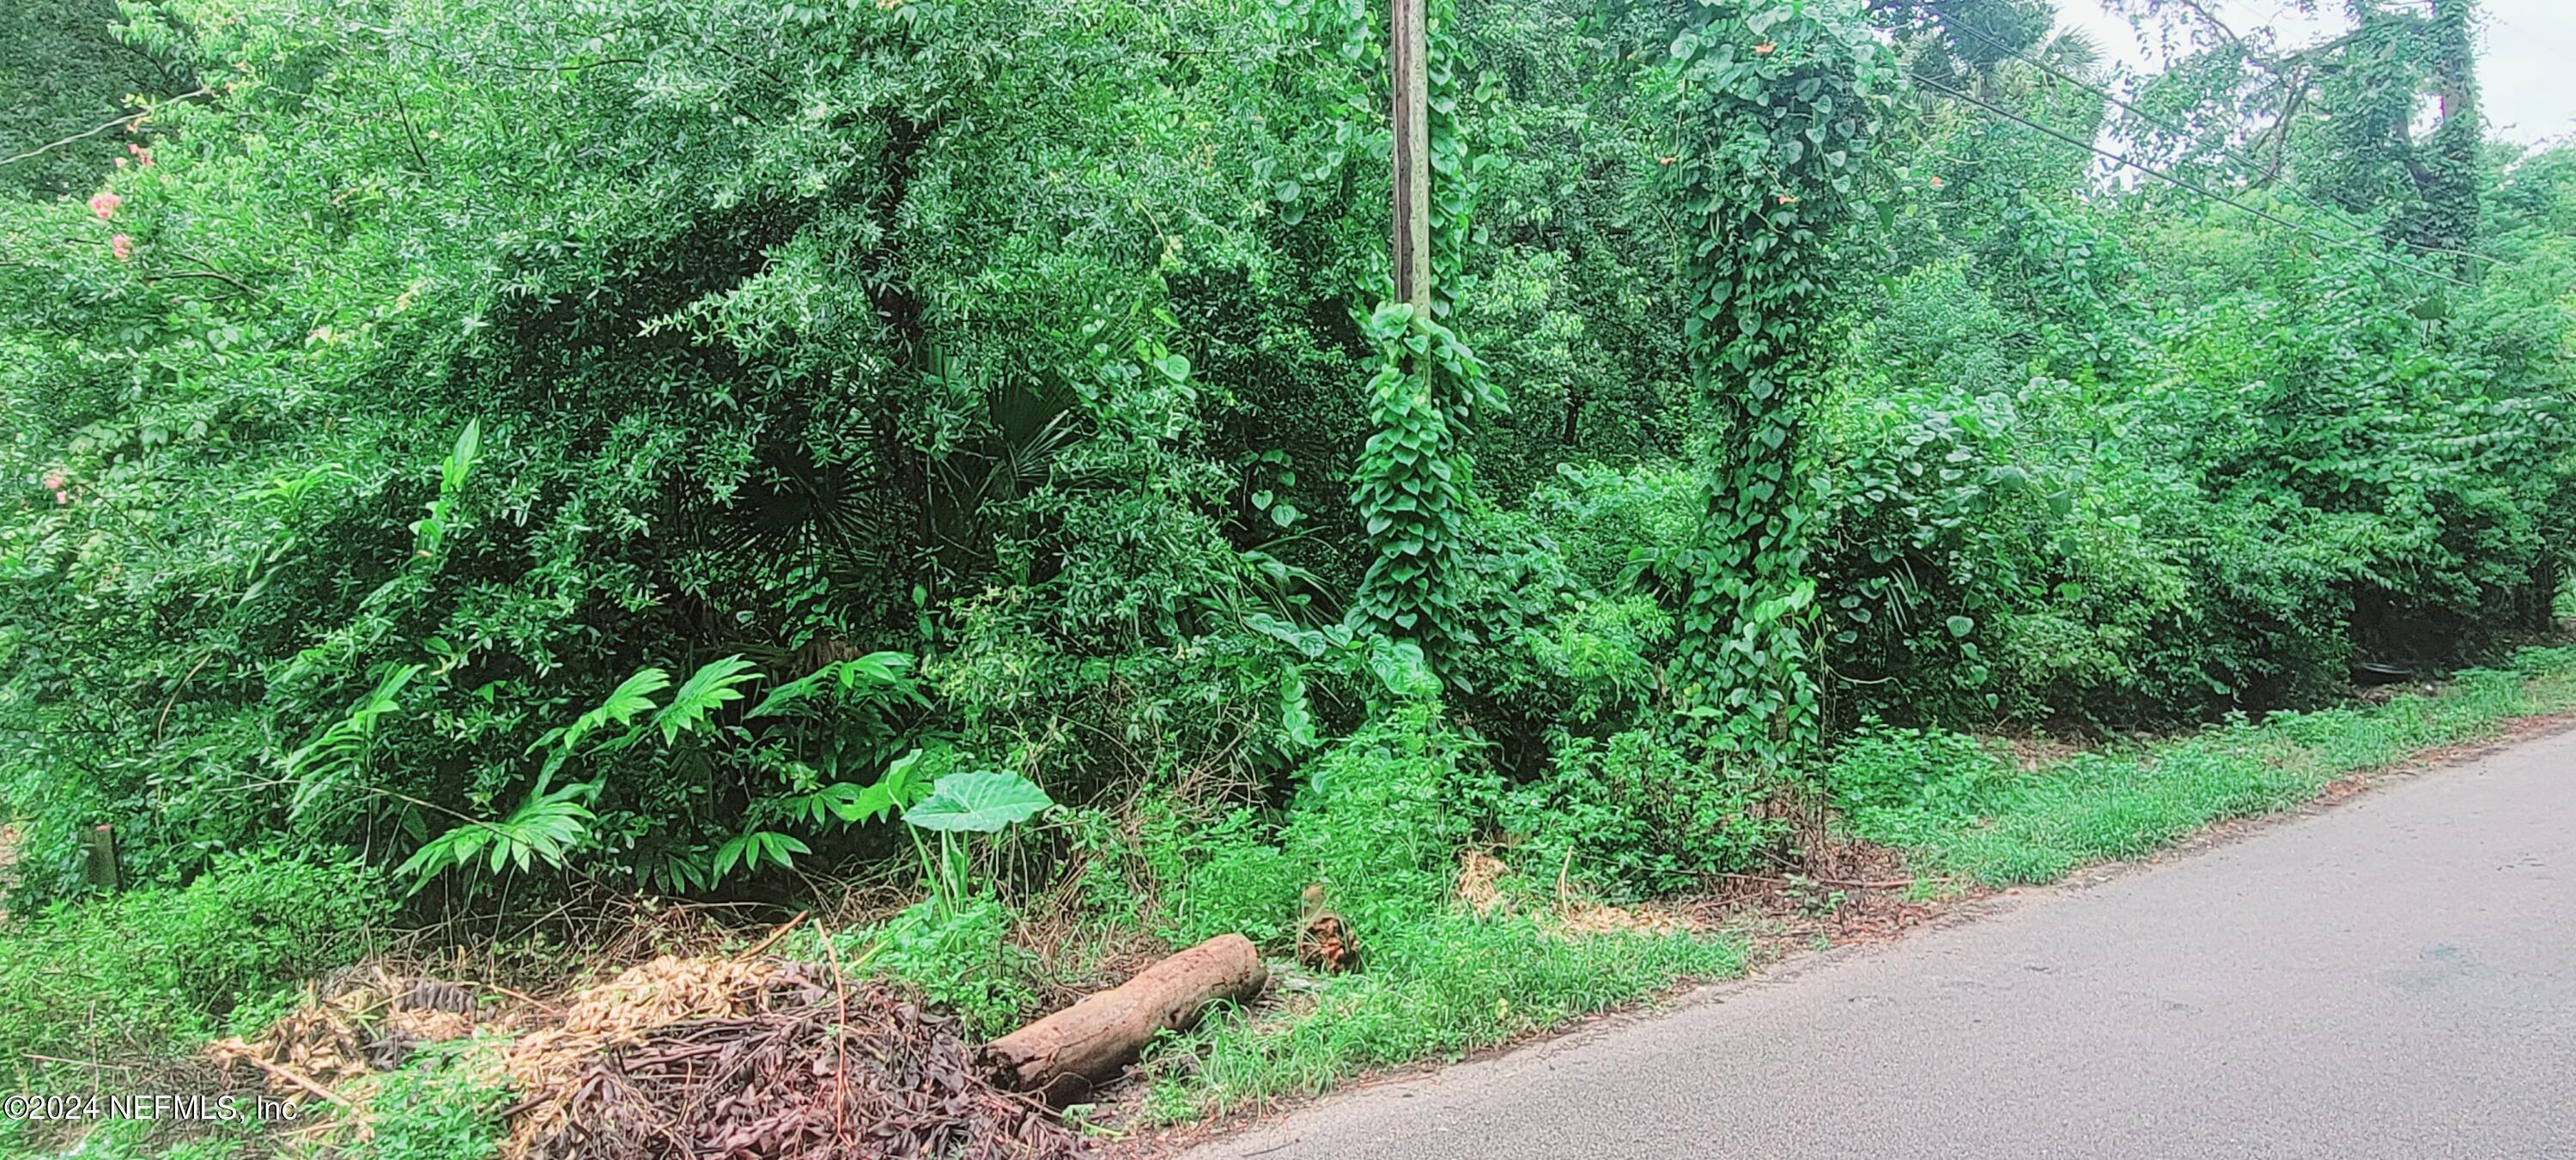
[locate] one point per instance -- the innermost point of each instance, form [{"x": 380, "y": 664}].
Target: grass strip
[
  {"x": 2024, "y": 828},
  {"x": 1458, "y": 983}
]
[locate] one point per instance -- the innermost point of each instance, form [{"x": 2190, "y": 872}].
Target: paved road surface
[{"x": 2394, "y": 978}]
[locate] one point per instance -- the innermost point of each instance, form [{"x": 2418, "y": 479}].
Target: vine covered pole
[
  {"x": 1414, "y": 473},
  {"x": 1411, "y": 249}
]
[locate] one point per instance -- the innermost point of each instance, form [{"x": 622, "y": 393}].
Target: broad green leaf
[{"x": 981, "y": 802}]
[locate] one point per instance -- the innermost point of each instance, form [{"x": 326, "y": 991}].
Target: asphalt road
[{"x": 2393, "y": 978}]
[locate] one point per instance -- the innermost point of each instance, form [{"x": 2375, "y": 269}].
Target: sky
[{"x": 2526, "y": 52}]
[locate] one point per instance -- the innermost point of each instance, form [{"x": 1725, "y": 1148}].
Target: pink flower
[
  {"x": 104, "y": 204},
  {"x": 124, "y": 246},
  {"x": 55, "y": 480},
  {"x": 142, "y": 156}
]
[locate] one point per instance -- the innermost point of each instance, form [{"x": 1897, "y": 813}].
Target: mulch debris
[
  {"x": 793, "y": 1062},
  {"x": 352, "y": 1024},
  {"x": 703, "y": 1058}
]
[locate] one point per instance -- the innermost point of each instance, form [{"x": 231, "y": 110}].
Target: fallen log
[{"x": 1064, "y": 1055}]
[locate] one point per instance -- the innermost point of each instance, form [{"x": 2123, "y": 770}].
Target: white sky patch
[{"x": 2526, "y": 50}]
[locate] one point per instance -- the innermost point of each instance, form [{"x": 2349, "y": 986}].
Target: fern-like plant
[
  {"x": 553, "y": 822},
  {"x": 336, "y": 759},
  {"x": 548, "y": 825}
]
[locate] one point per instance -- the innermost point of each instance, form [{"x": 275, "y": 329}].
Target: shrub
[
  {"x": 1881, "y": 767},
  {"x": 1379, "y": 818},
  {"x": 961, "y": 959},
  {"x": 440, "y": 1106},
  {"x": 1226, "y": 877},
  {"x": 1634, "y": 817},
  {"x": 156, "y": 969}
]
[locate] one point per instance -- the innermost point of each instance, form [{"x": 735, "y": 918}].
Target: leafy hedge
[{"x": 999, "y": 376}]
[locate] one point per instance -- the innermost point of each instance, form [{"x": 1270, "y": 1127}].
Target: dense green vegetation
[{"x": 510, "y": 452}]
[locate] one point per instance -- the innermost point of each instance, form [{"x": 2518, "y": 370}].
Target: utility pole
[{"x": 1412, "y": 121}]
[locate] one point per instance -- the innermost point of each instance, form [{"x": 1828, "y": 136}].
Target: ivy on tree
[{"x": 1774, "y": 108}]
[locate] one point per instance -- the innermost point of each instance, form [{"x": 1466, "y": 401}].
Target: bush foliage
[{"x": 542, "y": 445}]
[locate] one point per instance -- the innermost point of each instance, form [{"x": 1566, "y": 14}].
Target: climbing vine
[
  {"x": 1774, "y": 107},
  {"x": 1457, "y": 172},
  {"x": 1414, "y": 472},
  {"x": 2367, "y": 155},
  {"x": 2449, "y": 177},
  {"x": 1412, "y": 477}
]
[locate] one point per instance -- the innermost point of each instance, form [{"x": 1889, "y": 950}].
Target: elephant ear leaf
[{"x": 981, "y": 802}]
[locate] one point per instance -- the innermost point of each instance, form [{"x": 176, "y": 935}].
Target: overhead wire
[
  {"x": 2186, "y": 185},
  {"x": 2170, "y": 127}
]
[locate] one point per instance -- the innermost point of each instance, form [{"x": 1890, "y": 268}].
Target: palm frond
[{"x": 704, "y": 692}]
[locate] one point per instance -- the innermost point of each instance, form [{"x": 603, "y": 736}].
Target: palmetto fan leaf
[{"x": 797, "y": 510}]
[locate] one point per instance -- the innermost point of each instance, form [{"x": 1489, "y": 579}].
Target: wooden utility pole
[
  {"x": 100, "y": 870},
  {"x": 1412, "y": 247}
]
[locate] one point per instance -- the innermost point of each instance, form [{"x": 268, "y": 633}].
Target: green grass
[
  {"x": 2037, "y": 827},
  {"x": 1449, "y": 984},
  {"x": 1438, "y": 991},
  {"x": 157, "y": 969},
  {"x": 125, "y": 982}
]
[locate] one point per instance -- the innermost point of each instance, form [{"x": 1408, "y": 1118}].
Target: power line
[
  {"x": 2174, "y": 129},
  {"x": 2103, "y": 93},
  {"x": 2187, "y": 186}
]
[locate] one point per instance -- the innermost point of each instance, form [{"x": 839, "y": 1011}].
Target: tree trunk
[
  {"x": 1065, "y": 1055},
  {"x": 2451, "y": 204}
]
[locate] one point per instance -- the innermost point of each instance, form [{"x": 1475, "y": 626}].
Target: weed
[
  {"x": 151, "y": 970},
  {"x": 1229, "y": 876},
  {"x": 960, "y": 958},
  {"x": 1634, "y": 818},
  {"x": 1881, "y": 767},
  {"x": 438, "y": 1107}
]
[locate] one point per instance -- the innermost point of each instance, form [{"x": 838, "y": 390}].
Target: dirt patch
[
  {"x": 1584, "y": 919},
  {"x": 1484, "y": 887},
  {"x": 2031, "y": 752},
  {"x": 1852, "y": 892}
]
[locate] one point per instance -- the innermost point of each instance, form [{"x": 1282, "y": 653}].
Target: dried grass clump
[
  {"x": 355, "y": 1023},
  {"x": 1590, "y": 918},
  {"x": 1480, "y": 883}
]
